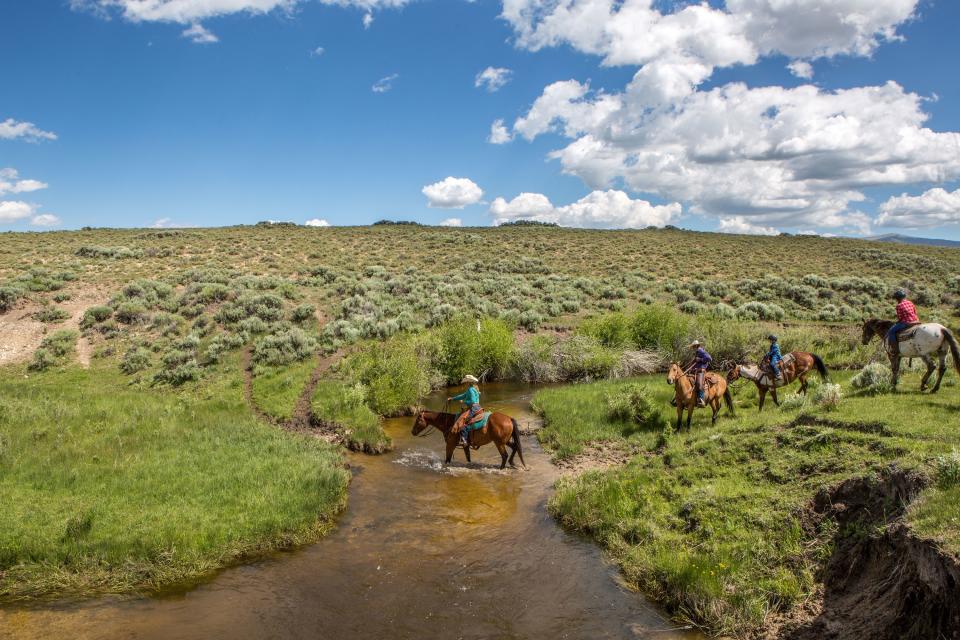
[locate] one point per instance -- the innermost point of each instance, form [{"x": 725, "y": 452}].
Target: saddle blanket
[
  {"x": 479, "y": 424},
  {"x": 908, "y": 333}
]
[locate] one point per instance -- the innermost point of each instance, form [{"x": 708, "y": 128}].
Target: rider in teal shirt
[{"x": 471, "y": 398}]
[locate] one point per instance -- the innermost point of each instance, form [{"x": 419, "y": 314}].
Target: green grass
[
  {"x": 277, "y": 389},
  {"x": 709, "y": 521},
  {"x": 344, "y": 407},
  {"x": 110, "y": 488}
]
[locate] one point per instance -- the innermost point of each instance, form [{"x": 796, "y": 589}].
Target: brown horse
[
  {"x": 920, "y": 341},
  {"x": 686, "y": 393},
  {"x": 797, "y": 368},
  {"x": 501, "y": 429}
]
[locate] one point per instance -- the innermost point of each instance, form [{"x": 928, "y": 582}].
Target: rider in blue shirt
[
  {"x": 701, "y": 362},
  {"x": 774, "y": 358},
  {"x": 470, "y": 398}
]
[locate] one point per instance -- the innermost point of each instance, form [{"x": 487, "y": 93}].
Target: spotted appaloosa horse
[
  {"x": 921, "y": 342},
  {"x": 501, "y": 429}
]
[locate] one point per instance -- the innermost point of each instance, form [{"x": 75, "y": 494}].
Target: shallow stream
[{"x": 422, "y": 551}]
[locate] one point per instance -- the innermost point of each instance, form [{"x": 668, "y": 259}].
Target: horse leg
[
  {"x": 895, "y": 369},
  {"x": 451, "y": 446},
  {"x": 466, "y": 452},
  {"x": 773, "y": 394},
  {"x": 927, "y": 360},
  {"x": 679, "y": 415},
  {"x": 715, "y": 405},
  {"x": 763, "y": 394},
  {"x": 689, "y": 415},
  {"x": 503, "y": 454},
  {"x": 803, "y": 384},
  {"x": 940, "y": 371}
]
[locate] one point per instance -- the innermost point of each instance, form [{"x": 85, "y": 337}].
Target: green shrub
[
  {"x": 303, "y": 313},
  {"x": 134, "y": 360},
  {"x": 827, "y": 396},
  {"x": 9, "y": 296},
  {"x": 61, "y": 297},
  {"x": 948, "y": 470},
  {"x": 793, "y": 401},
  {"x": 632, "y": 403},
  {"x": 344, "y": 406},
  {"x": 50, "y": 315},
  {"x": 873, "y": 379},
  {"x": 130, "y": 312},
  {"x": 284, "y": 347},
  {"x": 475, "y": 347},
  {"x": 53, "y": 349},
  {"x": 611, "y": 330},
  {"x": 42, "y": 360},
  {"x": 95, "y": 314},
  {"x": 396, "y": 374}
]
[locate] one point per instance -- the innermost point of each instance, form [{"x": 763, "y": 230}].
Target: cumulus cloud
[
  {"x": 499, "y": 133},
  {"x": 452, "y": 222},
  {"x": 317, "y": 52},
  {"x": 11, "y": 129},
  {"x": 801, "y": 69},
  {"x": 384, "y": 84},
  {"x": 192, "y": 11},
  {"x": 367, "y": 20},
  {"x": 198, "y": 34},
  {"x": 492, "y": 78},
  {"x": 600, "y": 209},
  {"x": 13, "y": 210},
  {"x": 739, "y": 224},
  {"x": 45, "y": 220},
  {"x": 930, "y": 209},
  {"x": 452, "y": 193},
  {"x": 10, "y": 182},
  {"x": 791, "y": 157},
  {"x": 316, "y": 222}
]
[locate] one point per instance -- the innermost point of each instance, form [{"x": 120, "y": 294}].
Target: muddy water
[{"x": 423, "y": 551}]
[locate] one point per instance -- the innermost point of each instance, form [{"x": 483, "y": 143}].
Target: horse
[
  {"x": 500, "y": 429},
  {"x": 796, "y": 369},
  {"x": 686, "y": 393},
  {"x": 920, "y": 341}
]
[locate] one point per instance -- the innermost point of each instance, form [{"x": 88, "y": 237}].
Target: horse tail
[
  {"x": 821, "y": 368},
  {"x": 729, "y": 400},
  {"x": 954, "y": 348},
  {"x": 516, "y": 440}
]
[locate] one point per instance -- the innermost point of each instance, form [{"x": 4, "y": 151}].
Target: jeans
[{"x": 894, "y": 330}]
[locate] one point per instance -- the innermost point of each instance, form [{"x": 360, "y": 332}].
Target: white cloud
[
  {"x": 794, "y": 157},
  {"x": 930, "y": 209},
  {"x": 384, "y": 84},
  {"x": 452, "y": 222},
  {"x": 10, "y": 182},
  {"x": 316, "y": 53},
  {"x": 45, "y": 220},
  {"x": 499, "y": 133},
  {"x": 739, "y": 224},
  {"x": 316, "y": 222},
  {"x": 367, "y": 20},
  {"x": 599, "y": 209},
  {"x": 452, "y": 193},
  {"x": 492, "y": 78},
  {"x": 801, "y": 69},
  {"x": 191, "y": 11},
  {"x": 198, "y": 34},
  {"x": 13, "y": 210},
  {"x": 11, "y": 129}
]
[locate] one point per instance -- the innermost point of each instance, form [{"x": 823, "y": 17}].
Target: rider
[
  {"x": 906, "y": 315},
  {"x": 471, "y": 398},
  {"x": 701, "y": 362},
  {"x": 773, "y": 359}
]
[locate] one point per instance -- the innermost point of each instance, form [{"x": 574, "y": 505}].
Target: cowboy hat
[
  {"x": 470, "y": 379},
  {"x": 695, "y": 343}
]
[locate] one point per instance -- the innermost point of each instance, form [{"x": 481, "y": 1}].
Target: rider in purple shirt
[{"x": 701, "y": 362}]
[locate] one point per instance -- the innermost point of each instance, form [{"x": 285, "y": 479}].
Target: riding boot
[{"x": 701, "y": 400}]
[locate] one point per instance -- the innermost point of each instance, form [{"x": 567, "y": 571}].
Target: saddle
[
  {"x": 908, "y": 332},
  {"x": 480, "y": 415},
  {"x": 709, "y": 379}
]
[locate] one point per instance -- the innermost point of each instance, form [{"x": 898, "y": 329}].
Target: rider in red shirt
[{"x": 906, "y": 315}]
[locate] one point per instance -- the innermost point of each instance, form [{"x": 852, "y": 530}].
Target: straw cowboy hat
[
  {"x": 694, "y": 344},
  {"x": 470, "y": 379}
]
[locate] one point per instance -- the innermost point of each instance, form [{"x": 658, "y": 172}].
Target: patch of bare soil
[
  {"x": 881, "y": 581},
  {"x": 20, "y": 334},
  {"x": 597, "y": 455}
]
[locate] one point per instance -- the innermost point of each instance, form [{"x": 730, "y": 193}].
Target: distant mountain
[{"x": 900, "y": 239}]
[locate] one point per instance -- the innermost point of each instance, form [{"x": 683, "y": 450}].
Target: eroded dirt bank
[{"x": 880, "y": 581}]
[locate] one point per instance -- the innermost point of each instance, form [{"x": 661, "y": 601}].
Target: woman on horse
[
  {"x": 701, "y": 362},
  {"x": 906, "y": 316},
  {"x": 773, "y": 358},
  {"x": 470, "y": 398}
]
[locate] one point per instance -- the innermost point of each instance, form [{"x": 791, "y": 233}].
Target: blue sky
[{"x": 148, "y": 127}]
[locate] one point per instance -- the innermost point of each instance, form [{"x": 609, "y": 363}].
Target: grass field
[
  {"x": 135, "y": 460},
  {"x": 711, "y": 521},
  {"x": 109, "y": 487}
]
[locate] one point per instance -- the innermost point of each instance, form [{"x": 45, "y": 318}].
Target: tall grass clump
[
  {"x": 827, "y": 396},
  {"x": 344, "y": 407},
  {"x": 474, "y": 347},
  {"x": 54, "y": 349},
  {"x": 284, "y": 347},
  {"x": 396, "y": 374},
  {"x": 633, "y": 403},
  {"x": 873, "y": 379}
]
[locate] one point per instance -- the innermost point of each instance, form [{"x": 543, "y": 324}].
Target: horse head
[
  {"x": 674, "y": 374},
  {"x": 870, "y": 328},
  {"x": 419, "y": 423},
  {"x": 733, "y": 374}
]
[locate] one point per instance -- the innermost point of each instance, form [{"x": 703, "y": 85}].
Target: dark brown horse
[
  {"x": 920, "y": 341},
  {"x": 501, "y": 429},
  {"x": 800, "y": 365},
  {"x": 686, "y": 393}
]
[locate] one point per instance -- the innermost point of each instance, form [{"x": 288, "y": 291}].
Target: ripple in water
[{"x": 432, "y": 461}]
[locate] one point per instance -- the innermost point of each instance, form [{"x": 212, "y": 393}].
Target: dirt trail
[
  {"x": 20, "y": 334},
  {"x": 302, "y": 419}
]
